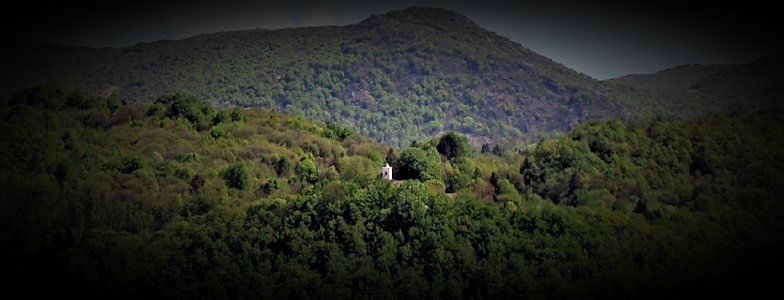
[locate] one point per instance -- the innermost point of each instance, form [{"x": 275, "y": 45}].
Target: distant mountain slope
[
  {"x": 396, "y": 77},
  {"x": 674, "y": 79},
  {"x": 757, "y": 86},
  {"x": 689, "y": 91}
]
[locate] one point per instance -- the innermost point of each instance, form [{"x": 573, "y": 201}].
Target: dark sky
[{"x": 603, "y": 39}]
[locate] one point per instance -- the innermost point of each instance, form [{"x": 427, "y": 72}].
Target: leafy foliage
[
  {"x": 453, "y": 146},
  {"x": 307, "y": 170},
  {"x": 402, "y": 76},
  {"x": 139, "y": 205},
  {"x": 200, "y": 115},
  {"x": 236, "y": 176},
  {"x": 416, "y": 163}
]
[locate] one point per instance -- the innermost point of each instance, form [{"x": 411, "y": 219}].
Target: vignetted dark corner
[{"x": 411, "y": 153}]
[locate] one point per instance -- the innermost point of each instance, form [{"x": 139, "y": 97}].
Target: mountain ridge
[
  {"x": 694, "y": 90},
  {"x": 401, "y": 76},
  {"x": 428, "y": 16},
  {"x": 396, "y": 77},
  {"x": 679, "y": 77}
]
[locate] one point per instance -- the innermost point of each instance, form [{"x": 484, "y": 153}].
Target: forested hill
[
  {"x": 395, "y": 77},
  {"x": 693, "y": 91},
  {"x": 175, "y": 199},
  {"x": 673, "y": 79}
]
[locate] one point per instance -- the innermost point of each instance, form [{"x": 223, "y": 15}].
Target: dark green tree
[
  {"x": 334, "y": 131},
  {"x": 497, "y": 150},
  {"x": 415, "y": 163},
  {"x": 238, "y": 115},
  {"x": 485, "y": 148},
  {"x": 307, "y": 170},
  {"x": 236, "y": 176},
  {"x": 392, "y": 158},
  {"x": 187, "y": 107},
  {"x": 196, "y": 184},
  {"x": 494, "y": 180},
  {"x": 453, "y": 146},
  {"x": 283, "y": 166}
]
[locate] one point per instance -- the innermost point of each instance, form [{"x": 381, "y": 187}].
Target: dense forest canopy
[
  {"x": 176, "y": 199},
  {"x": 402, "y": 76},
  {"x": 247, "y": 164}
]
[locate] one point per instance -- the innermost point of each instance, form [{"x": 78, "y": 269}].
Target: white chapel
[{"x": 386, "y": 172}]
